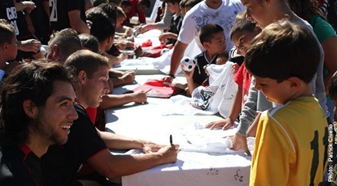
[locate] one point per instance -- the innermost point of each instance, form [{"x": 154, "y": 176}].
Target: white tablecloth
[{"x": 220, "y": 166}]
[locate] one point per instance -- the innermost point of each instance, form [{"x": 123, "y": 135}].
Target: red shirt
[
  {"x": 133, "y": 11},
  {"x": 92, "y": 112},
  {"x": 243, "y": 79}
]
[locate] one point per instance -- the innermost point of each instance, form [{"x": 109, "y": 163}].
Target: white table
[{"x": 146, "y": 121}]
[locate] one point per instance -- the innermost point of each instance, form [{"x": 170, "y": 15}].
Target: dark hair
[
  {"x": 110, "y": 10},
  {"x": 102, "y": 28},
  {"x": 7, "y": 31},
  {"x": 147, "y": 3},
  {"x": 332, "y": 87},
  {"x": 207, "y": 32},
  {"x": 98, "y": 2},
  {"x": 192, "y": 3},
  {"x": 305, "y": 8},
  {"x": 242, "y": 24},
  {"x": 89, "y": 42},
  {"x": 32, "y": 81},
  {"x": 116, "y": 2},
  {"x": 87, "y": 61},
  {"x": 68, "y": 42},
  {"x": 126, "y": 3},
  {"x": 172, "y": 1},
  {"x": 283, "y": 50},
  {"x": 95, "y": 13}
]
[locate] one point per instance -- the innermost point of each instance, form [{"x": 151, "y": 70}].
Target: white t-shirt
[{"x": 201, "y": 15}]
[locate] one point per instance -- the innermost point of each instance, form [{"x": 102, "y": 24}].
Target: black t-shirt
[
  {"x": 8, "y": 12},
  {"x": 60, "y": 164},
  {"x": 199, "y": 75},
  {"x": 19, "y": 166},
  {"x": 59, "y": 9},
  {"x": 22, "y": 25},
  {"x": 175, "y": 26}
]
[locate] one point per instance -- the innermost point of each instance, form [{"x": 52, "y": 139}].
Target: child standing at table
[
  {"x": 241, "y": 35},
  {"x": 292, "y": 136},
  {"x": 213, "y": 40},
  {"x": 171, "y": 35}
]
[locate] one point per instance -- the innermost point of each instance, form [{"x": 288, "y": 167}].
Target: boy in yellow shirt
[{"x": 292, "y": 139}]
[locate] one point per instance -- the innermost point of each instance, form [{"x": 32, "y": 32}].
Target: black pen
[
  {"x": 171, "y": 140},
  {"x": 148, "y": 91}
]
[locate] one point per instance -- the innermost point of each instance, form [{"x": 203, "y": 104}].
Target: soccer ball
[
  {"x": 188, "y": 64},
  {"x": 164, "y": 51}
]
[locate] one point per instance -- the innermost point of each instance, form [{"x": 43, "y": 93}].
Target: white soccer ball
[
  {"x": 164, "y": 51},
  {"x": 188, "y": 64}
]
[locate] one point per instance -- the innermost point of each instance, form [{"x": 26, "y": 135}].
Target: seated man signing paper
[{"x": 86, "y": 144}]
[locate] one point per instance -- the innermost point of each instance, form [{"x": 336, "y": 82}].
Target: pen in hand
[
  {"x": 148, "y": 91},
  {"x": 171, "y": 140}
]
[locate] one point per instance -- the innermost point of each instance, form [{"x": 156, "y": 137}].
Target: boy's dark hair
[
  {"x": 126, "y": 3},
  {"x": 89, "y": 42},
  {"x": 207, "y": 32},
  {"x": 102, "y": 28},
  {"x": 242, "y": 24},
  {"x": 172, "y": 1},
  {"x": 32, "y": 81},
  {"x": 87, "y": 61},
  {"x": 332, "y": 87},
  {"x": 147, "y": 3},
  {"x": 98, "y": 2},
  {"x": 95, "y": 13},
  {"x": 116, "y": 2},
  {"x": 110, "y": 10},
  {"x": 283, "y": 50},
  {"x": 192, "y": 3},
  {"x": 7, "y": 31}
]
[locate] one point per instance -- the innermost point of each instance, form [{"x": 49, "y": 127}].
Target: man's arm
[
  {"x": 28, "y": 5},
  {"x": 77, "y": 23},
  {"x": 112, "y": 100},
  {"x": 113, "y": 166},
  {"x": 177, "y": 55}
]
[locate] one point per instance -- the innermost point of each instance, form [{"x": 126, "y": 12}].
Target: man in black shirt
[
  {"x": 68, "y": 14},
  {"x": 88, "y": 145},
  {"x": 36, "y": 111}
]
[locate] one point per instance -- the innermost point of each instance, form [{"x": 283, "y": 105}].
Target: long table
[{"x": 195, "y": 166}]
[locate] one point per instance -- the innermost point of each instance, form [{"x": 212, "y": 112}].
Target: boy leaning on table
[
  {"x": 291, "y": 139},
  {"x": 89, "y": 146}
]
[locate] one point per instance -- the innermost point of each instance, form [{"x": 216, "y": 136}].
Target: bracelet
[{"x": 172, "y": 76}]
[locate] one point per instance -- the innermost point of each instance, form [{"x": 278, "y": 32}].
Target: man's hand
[
  {"x": 150, "y": 147},
  {"x": 168, "y": 80},
  {"x": 128, "y": 77},
  {"x": 224, "y": 124},
  {"x": 169, "y": 153},
  {"x": 139, "y": 97},
  {"x": 28, "y": 6},
  {"x": 30, "y": 45}
]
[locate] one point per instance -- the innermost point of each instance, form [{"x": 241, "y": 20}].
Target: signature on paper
[
  {"x": 238, "y": 176},
  {"x": 213, "y": 171}
]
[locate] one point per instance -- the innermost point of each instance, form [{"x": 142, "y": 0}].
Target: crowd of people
[{"x": 57, "y": 74}]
